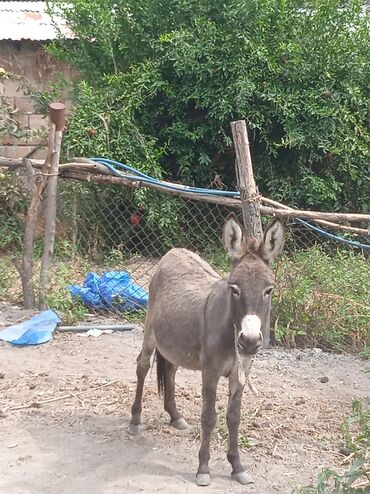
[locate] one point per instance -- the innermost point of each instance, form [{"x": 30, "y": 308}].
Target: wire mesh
[{"x": 322, "y": 287}]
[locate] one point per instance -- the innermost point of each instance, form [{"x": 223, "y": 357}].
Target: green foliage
[
  {"x": 323, "y": 299},
  {"x": 170, "y": 76},
  {"x": 12, "y": 210},
  {"x": 8, "y": 280},
  {"x": 58, "y": 89},
  {"x": 357, "y": 438},
  {"x": 9, "y": 124},
  {"x": 71, "y": 311},
  {"x": 61, "y": 274}
]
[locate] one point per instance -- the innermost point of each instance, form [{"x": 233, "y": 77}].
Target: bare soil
[{"x": 77, "y": 442}]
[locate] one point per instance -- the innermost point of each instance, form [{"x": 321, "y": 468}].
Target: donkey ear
[
  {"x": 233, "y": 237},
  {"x": 273, "y": 241}
]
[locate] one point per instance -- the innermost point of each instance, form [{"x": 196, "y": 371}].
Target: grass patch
[
  {"x": 323, "y": 300},
  {"x": 355, "y": 475}
]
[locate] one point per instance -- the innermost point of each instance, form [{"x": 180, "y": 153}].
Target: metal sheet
[{"x": 29, "y": 20}]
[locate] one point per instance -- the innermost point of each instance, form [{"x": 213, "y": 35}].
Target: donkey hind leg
[
  {"x": 143, "y": 365},
  {"x": 166, "y": 372},
  {"x": 233, "y": 420},
  {"x": 208, "y": 419}
]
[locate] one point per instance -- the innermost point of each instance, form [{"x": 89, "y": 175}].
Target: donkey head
[{"x": 251, "y": 281}]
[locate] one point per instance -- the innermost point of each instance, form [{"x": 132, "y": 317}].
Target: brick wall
[{"x": 25, "y": 61}]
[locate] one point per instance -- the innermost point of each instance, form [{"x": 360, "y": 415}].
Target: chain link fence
[{"x": 322, "y": 291}]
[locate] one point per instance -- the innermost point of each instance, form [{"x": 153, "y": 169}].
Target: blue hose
[
  {"x": 326, "y": 234},
  {"x": 147, "y": 179},
  {"x": 135, "y": 174}
]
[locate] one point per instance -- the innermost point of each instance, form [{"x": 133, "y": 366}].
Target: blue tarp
[
  {"x": 112, "y": 290},
  {"x": 37, "y": 330}
]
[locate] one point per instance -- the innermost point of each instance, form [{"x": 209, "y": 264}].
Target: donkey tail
[{"x": 161, "y": 372}]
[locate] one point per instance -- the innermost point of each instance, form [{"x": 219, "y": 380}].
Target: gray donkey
[{"x": 200, "y": 321}]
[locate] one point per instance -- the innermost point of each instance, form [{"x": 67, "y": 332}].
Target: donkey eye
[
  {"x": 235, "y": 290},
  {"x": 268, "y": 291}
]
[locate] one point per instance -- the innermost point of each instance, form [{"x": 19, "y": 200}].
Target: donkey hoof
[
  {"x": 134, "y": 429},
  {"x": 179, "y": 424},
  {"x": 203, "y": 479},
  {"x": 242, "y": 477}
]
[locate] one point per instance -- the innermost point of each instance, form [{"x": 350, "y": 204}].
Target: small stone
[
  {"x": 268, "y": 406},
  {"x": 256, "y": 424},
  {"x": 324, "y": 379},
  {"x": 3, "y": 415},
  {"x": 32, "y": 385},
  {"x": 2, "y": 375},
  {"x": 343, "y": 450}
]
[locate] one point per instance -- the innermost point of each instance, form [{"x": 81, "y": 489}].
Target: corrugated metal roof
[{"x": 29, "y": 20}]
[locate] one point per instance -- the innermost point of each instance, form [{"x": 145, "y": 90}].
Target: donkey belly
[
  {"x": 177, "y": 327},
  {"x": 178, "y": 340},
  {"x": 187, "y": 359}
]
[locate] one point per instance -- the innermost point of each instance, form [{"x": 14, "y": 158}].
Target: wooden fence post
[
  {"x": 57, "y": 117},
  {"x": 25, "y": 268},
  {"x": 249, "y": 196}
]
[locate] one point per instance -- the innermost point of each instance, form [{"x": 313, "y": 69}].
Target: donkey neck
[{"x": 217, "y": 312}]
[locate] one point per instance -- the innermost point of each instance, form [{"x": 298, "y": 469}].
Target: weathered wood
[
  {"x": 57, "y": 121},
  {"x": 78, "y": 164},
  {"x": 249, "y": 196},
  {"x": 89, "y": 167},
  {"x": 135, "y": 184},
  {"x": 72, "y": 171},
  {"x": 26, "y": 268},
  {"x": 57, "y": 113},
  {"x": 14, "y": 163},
  {"x": 333, "y": 226},
  {"x": 297, "y": 213},
  {"x": 50, "y": 218}
]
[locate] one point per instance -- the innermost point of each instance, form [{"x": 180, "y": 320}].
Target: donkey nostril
[{"x": 250, "y": 342}]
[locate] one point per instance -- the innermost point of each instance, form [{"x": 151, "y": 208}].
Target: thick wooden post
[
  {"x": 25, "y": 268},
  {"x": 249, "y": 195},
  {"x": 57, "y": 116}
]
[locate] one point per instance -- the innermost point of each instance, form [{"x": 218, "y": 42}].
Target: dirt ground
[{"x": 64, "y": 411}]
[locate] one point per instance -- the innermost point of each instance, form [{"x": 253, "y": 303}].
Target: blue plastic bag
[
  {"x": 112, "y": 290},
  {"x": 37, "y": 330}
]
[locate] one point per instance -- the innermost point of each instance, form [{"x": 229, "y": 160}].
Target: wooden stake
[
  {"x": 249, "y": 196},
  {"x": 57, "y": 115}
]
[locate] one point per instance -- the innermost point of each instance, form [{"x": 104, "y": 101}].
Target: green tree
[{"x": 178, "y": 71}]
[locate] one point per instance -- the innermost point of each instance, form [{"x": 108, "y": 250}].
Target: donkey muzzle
[
  {"x": 250, "y": 337},
  {"x": 249, "y": 345}
]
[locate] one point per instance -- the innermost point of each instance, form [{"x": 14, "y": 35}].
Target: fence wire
[{"x": 322, "y": 290}]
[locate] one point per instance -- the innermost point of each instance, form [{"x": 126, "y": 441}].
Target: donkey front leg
[
  {"x": 233, "y": 420},
  {"x": 209, "y": 388}
]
